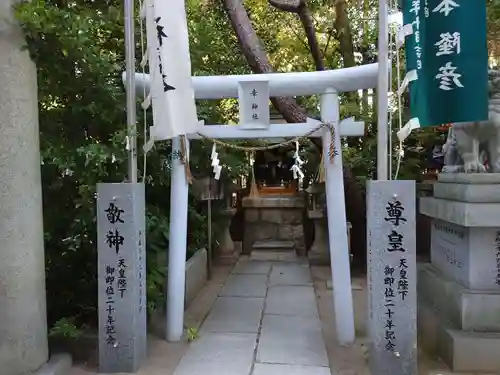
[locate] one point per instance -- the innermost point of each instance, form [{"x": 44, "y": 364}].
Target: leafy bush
[{"x": 78, "y": 48}]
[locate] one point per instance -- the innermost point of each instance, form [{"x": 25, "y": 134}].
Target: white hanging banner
[
  {"x": 155, "y": 94},
  {"x": 172, "y": 94}
]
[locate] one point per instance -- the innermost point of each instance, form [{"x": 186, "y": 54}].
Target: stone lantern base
[
  {"x": 459, "y": 291},
  {"x": 227, "y": 250},
  {"x": 319, "y": 253}
]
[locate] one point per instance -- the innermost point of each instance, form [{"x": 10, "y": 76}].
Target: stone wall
[
  {"x": 196, "y": 278},
  {"x": 196, "y": 275},
  {"x": 274, "y": 219}
]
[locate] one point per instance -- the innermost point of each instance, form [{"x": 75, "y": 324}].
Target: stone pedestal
[
  {"x": 459, "y": 292},
  {"x": 227, "y": 248},
  {"x": 274, "y": 219},
  {"x": 319, "y": 253}
]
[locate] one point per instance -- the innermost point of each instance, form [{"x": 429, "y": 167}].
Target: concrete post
[
  {"x": 337, "y": 227},
  {"x": 178, "y": 243},
  {"x": 23, "y": 321}
]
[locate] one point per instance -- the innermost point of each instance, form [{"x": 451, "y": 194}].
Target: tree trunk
[
  {"x": 344, "y": 34},
  {"x": 307, "y": 23},
  {"x": 365, "y": 56},
  {"x": 300, "y": 8},
  {"x": 256, "y": 56},
  {"x": 355, "y": 198}
]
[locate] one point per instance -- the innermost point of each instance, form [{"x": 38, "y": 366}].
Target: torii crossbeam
[{"x": 328, "y": 84}]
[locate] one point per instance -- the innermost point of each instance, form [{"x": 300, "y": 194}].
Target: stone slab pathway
[{"x": 264, "y": 322}]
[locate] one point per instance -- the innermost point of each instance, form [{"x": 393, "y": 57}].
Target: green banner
[{"x": 448, "y": 51}]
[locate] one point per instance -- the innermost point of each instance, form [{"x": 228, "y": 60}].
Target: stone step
[
  {"x": 473, "y": 351},
  {"x": 462, "y": 351},
  {"x": 273, "y": 245},
  {"x": 274, "y": 256},
  {"x": 477, "y": 193},
  {"x": 461, "y": 213},
  {"x": 466, "y": 309}
]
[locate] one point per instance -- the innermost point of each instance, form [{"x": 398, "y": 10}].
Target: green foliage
[
  {"x": 192, "y": 334},
  {"x": 79, "y": 51},
  {"x": 81, "y": 130},
  {"x": 66, "y": 328},
  {"x": 78, "y": 47}
]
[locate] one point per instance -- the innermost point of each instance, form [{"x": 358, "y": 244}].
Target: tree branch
[
  {"x": 330, "y": 33},
  {"x": 306, "y": 19},
  {"x": 344, "y": 35},
  {"x": 300, "y": 8},
  {"x": 291, "y": 6},
  {"x": 299, "y": 38},
  {"x": 256, "y": 57}
]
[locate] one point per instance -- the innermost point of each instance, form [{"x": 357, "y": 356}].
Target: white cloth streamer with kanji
[{"x": 171, "y": 91}]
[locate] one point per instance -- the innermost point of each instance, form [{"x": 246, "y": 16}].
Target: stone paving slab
[
  {"x": 218, "y": 354},
  {"x": 245, "y": 286},
  {"x": 275, "y": 256},
  {"x": 291, "y": 340},
  {"x": 290, "y": 274},
  {"x": 355, "y": 284},
  {"x": 274, "y": 369},
  {"x": 288, "y": 339},
  {"x": 234, "y": 315},
  {"x": 291, "y": 300},
  {"x": 252, "y": 268}
]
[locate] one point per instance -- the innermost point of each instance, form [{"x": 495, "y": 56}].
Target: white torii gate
[{"x": 326, "y": 83}]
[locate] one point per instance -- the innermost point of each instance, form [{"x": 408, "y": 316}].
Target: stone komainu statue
[{"x": 468, "y": 142}]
